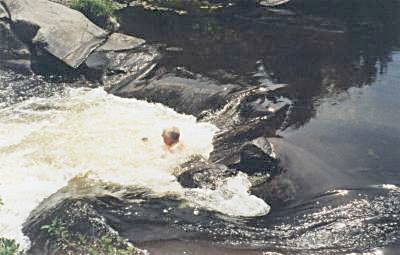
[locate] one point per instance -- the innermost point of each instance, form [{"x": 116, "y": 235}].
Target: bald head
[{"x": 171, "y": 136}]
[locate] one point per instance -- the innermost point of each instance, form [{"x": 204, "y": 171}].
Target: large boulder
[{"x": 62, "y": 32}]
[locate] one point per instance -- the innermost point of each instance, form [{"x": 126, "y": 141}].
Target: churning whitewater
[{"x": 45, "y": 142}]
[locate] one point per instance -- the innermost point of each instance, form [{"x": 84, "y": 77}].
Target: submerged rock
[{"x": 64, "y": 33}]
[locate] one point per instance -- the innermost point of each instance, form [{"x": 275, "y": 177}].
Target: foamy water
[{"x": 46, "y": 142}]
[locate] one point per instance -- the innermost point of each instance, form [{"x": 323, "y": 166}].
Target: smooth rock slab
[
  {"x": 121, "y": 42},
  {"x": 64, "y": 33},
  {"x": 184, "y": 95}
]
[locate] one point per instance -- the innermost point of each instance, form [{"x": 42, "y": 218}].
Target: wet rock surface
[
  {"x": 77, "y": 217},
  {"x": 110, "y": 67},
  {"x": 133, "y": 214},
  {"x": 199, "y": 173},
  {"x": 64, "y": 224},
  {"x": 185, "y": 95}
]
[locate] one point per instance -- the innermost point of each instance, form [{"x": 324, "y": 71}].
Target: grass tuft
[
  {"x": 99, "y": 11},
  {"x": 8, "y": 247}
]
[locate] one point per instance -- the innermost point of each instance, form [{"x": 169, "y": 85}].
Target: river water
[{"x": 339, "y": 141}]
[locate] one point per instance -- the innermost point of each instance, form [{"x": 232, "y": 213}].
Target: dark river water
[
  {"x": 342, "y": 134},
  {"x": 339, "y": 141}
]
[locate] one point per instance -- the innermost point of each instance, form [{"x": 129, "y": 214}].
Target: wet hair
[{"x": 171, "y": 135}]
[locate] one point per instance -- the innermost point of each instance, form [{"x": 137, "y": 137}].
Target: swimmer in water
[{"x": 171, "y": 136}]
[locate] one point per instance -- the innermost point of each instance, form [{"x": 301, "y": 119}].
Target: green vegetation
[
  {"x": 8, "y": 247},
  {"x": 99, "y": 11},
  {"x": 180, "y": 6},
  {"x": 66, "y": 243}
]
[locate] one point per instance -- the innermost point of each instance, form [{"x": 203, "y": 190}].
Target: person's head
[{"x": 171, "y": 136}]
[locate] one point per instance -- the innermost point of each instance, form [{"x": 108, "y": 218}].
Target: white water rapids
[{"x": 45, "y": 142}]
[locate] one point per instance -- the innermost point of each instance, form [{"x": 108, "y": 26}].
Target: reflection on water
[
  {"x": 356, "y": 132},
  {"x": 342, "y": 132},
  {"x": 338, "y": 55},
  {"x": 317, "y": 56}
]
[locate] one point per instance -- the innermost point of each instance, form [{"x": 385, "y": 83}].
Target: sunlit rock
[{"x": 64, "y": 33}]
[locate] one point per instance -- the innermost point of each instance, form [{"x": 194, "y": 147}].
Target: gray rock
[
  {"x": 272, "y": 2},
  {"x": 64, "y": 33},
  {"x": 257, "y": 157},
  {"x": 199, "y": 173},
  {"x": 121, "y": 42},
  {"x": 113, "y": 66}
]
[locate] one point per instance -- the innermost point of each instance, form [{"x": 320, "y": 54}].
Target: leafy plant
[
  {"x": 68, "y": 243},
  {"x": 8, "y": 247},
  {"x": 56, "y": 229}
]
